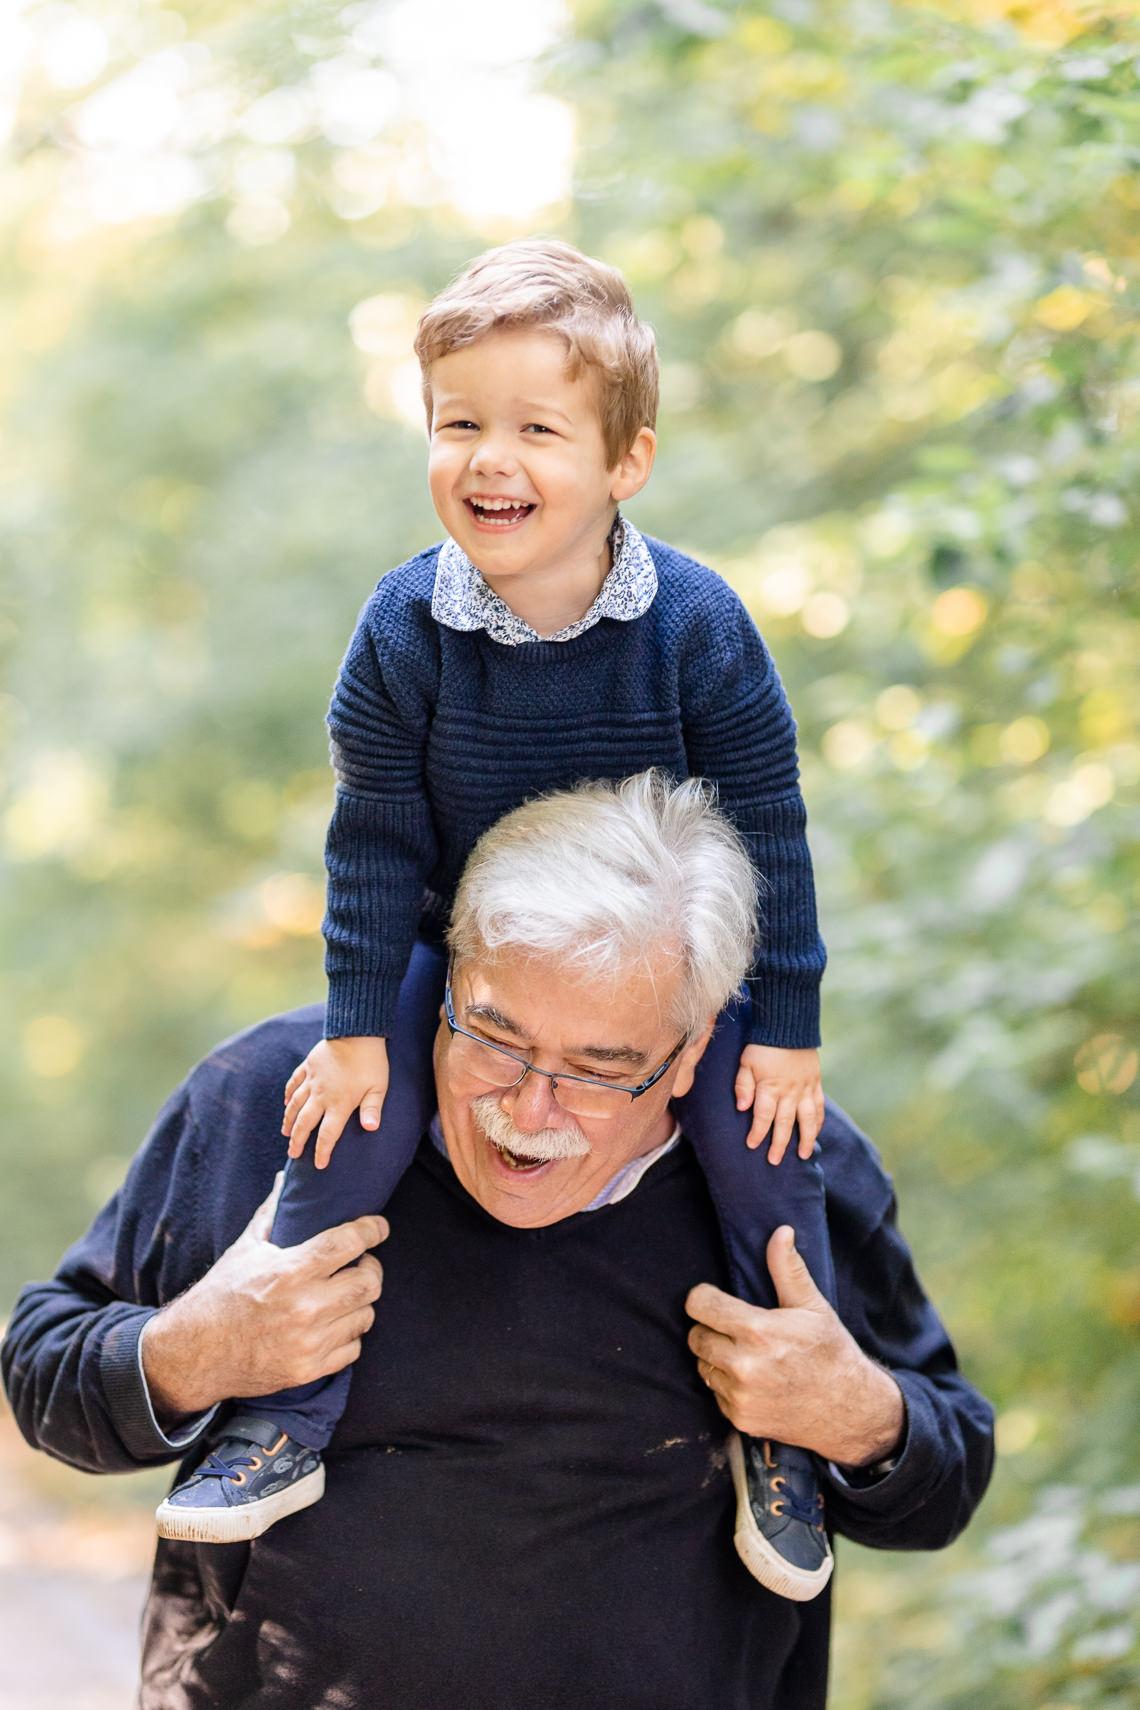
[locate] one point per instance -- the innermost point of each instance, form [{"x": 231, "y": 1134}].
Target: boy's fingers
[
  {"x": 307, "y": 1118},
  {"x": 330, "y": 1131},
  {"x": 762, "y": 1118},
  {"x": 745, "y": 1087},
  {"x": 370, "y": 1107},
  {"x": 294, "y": 1107},
  {"x": 781, "y": 1130},
  {"x": 294, "y": 1081},
  {"x": 810, "y": 1120}
]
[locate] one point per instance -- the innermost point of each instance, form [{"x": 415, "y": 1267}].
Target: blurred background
[{"x": 892, "y": 254}]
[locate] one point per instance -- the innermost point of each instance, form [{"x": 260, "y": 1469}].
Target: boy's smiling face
[{"x": 508, "y": 424}]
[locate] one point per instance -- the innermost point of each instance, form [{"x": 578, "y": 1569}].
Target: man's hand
[
  {"x": 794, "y": 1372},
  {"x": 781, "y": 1088},
  {"x": 336, "y": 1078},
  {"x": 264, "y": 1318}
]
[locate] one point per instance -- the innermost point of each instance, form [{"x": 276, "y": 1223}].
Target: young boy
[{"x": 546, "y": 641}]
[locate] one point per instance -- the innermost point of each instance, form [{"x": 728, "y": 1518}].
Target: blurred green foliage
[{"x": 891, "y": 253}]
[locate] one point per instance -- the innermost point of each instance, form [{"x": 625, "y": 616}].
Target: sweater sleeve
[
  {"x": 381, "y": 842},
  {"x": 939, "y": 1472},
  {"x": 71, "y": 1357},
  {"x": 740, "y": 734}
]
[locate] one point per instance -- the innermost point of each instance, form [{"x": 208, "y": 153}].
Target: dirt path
[{"x": 74, "y": 1558}]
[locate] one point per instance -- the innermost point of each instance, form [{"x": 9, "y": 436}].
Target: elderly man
[{"x": 530, "y": 1490}]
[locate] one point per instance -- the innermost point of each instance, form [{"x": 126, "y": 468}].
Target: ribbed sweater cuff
[
  {"x": 917, "y": 1464},
  {"x": 128, "y": 1398},
  {"x": 785, "y": 1015},
  {"x": 360, "y": 1005}
]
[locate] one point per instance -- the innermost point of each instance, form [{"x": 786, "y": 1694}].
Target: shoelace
[
  {"x": 214, "y": 1467},
  {"x": 798, "y": 1508},
  {"x": 806, "y": 1510}
]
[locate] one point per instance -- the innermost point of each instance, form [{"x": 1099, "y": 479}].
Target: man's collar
[{"x": 462, "y": 600}]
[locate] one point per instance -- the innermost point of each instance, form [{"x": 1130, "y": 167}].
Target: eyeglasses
[{"x": 578, "y": 1095}]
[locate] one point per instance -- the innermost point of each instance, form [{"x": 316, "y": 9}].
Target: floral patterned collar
[{"x": 461, "y": 598}]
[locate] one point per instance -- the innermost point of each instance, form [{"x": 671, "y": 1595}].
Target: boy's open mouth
[{"x": 498, "y": 516}]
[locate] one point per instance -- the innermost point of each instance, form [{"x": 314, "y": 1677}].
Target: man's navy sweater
[
  {"x": 436, "y": 733},
  {"x": 527, "y": 1501}
]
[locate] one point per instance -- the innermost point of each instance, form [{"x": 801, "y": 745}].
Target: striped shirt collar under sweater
[{"x": 461, "y": 599}]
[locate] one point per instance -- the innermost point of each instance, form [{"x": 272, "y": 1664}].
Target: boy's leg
[
  {"x": 750, "y": 1196},
  {"x": 267, "y": 1463},
  {"x": 780, "y": 1532},
  {"x": 360, "y": 1178}
]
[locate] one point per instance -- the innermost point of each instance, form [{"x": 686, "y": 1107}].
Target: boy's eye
[
  {"x": 538, "y": 426},
  {"x": 457, "y": 424}
]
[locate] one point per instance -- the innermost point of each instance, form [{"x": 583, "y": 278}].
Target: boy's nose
[{"x": 493, "y": 456}]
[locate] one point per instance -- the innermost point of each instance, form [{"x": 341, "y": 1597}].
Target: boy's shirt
[
  {"x": 437, "y": 730},
  {"x": 462, "y": 600}
]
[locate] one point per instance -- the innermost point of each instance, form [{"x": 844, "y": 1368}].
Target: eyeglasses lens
[{"x": 577, "y": 1098}]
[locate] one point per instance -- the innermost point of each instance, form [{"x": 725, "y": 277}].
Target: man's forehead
[{"x": 603, "y": 1016}]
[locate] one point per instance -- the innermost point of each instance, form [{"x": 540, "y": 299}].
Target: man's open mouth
[
  {"x": 500, "y": 515},
  {"x": 518, "y": 1160}
]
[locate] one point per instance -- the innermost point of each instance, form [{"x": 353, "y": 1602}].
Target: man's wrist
[
  {"x": 882, "y": 1420},
  {"x": 175, "y": 1364}
]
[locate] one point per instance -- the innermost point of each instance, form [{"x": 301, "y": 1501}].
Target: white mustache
[{"x": 495, "y": 1125}]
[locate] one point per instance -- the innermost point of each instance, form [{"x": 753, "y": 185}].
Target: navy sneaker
[
  {"x": 780, "y": 1535},
  {"x": 254, "y": 1477}
]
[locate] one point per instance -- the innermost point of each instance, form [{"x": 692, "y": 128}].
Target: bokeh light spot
[
  {"x": 1106, "y": 1064},
  {"x": 53, "y": 1046},
  {"x": 959, "y": 611}
]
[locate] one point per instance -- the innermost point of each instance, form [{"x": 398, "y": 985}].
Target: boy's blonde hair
[{"x": 545, "y": 284}]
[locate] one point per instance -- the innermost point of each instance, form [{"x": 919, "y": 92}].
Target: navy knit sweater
[{"x": 436, "y": 733}]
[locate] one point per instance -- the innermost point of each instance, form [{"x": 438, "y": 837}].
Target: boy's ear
[{"x": 632, "y": 471}]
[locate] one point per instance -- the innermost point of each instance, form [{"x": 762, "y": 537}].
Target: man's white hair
[{"x": 606, "y": 876}]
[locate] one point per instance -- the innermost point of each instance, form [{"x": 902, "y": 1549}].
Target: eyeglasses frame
[{"x": 550, "y": 1074}]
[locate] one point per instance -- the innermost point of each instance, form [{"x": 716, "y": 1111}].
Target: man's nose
[{"x": 533, "y": 1105}]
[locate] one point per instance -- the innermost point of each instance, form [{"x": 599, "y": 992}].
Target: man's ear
[{"x": 690, "y": 1057}]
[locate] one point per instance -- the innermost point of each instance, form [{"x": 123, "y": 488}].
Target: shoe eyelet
[
  {"x": 239, "y": 1478},
  {"x": 778, "y": 1507},
  {"x": 779, "y": 1482},
  {"x": 770, "y": 1460}
]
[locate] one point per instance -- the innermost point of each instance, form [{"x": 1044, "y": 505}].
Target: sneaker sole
[
  {"x": 762, "y": 1560},
  {"x": 237, "y": 1525}
]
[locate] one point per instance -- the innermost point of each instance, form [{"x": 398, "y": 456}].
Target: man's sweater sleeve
[
  {"x": 740, "y": 734},
  {"x": 381, "y": 842},
  {"x": 71, "y": 1361},
  {"x": 940, "y": 1470}
]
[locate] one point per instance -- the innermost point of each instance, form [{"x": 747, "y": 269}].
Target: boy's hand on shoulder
[
  {"x": 336, "y": 1078},
  {"x": 781, "y": 1088}
]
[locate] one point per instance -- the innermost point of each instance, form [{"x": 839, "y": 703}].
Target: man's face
[
  {"x": 507, "y": 423},
  {"x": 619, "y": 1029}
]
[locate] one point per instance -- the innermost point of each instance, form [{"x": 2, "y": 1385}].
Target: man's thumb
[
  {"x": 791, "y": 1277},
  {"x": 261, "y": 1222}
]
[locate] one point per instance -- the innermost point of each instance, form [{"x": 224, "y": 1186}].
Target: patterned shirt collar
[{"x": 461, "y": 599}]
